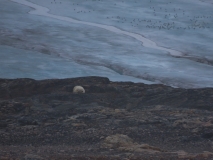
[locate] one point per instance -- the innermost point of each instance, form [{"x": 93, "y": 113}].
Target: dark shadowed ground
[{"x": 112, "y": 120}]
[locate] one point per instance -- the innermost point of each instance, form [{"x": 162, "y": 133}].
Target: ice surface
[
  {"x": 123, "y": 40},
  {"x": 18, "y": 63}
]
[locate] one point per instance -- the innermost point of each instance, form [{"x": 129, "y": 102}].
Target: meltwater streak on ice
[{"x": 43, "y": 11}]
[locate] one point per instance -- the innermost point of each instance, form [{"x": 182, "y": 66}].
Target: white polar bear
[{"x": 78, "y": 89}]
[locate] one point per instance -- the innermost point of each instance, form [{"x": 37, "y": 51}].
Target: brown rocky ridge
[{"x": 44, "y": 119}]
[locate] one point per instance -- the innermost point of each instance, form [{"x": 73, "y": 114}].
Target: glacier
[{"x": 140, "y": 41}]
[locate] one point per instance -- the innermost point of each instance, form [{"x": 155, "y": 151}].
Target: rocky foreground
[{"x": 112, "y": 120}]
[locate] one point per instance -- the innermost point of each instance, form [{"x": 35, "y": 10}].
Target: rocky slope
[{"x": 112, "y": 120}]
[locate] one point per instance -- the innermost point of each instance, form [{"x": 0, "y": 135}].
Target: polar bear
[{"x": 78, "y": 89}]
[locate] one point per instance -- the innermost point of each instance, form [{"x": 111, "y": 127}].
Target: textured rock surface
[{"x": 112, "y": 120}]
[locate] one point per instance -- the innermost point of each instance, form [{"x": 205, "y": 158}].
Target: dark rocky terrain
[{"x": 112, "y": 120}]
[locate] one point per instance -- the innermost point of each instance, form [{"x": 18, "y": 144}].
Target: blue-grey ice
[{"x": 147, "y": 41}]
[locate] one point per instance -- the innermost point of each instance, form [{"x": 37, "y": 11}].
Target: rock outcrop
[{"x": 111, "y": 120}]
